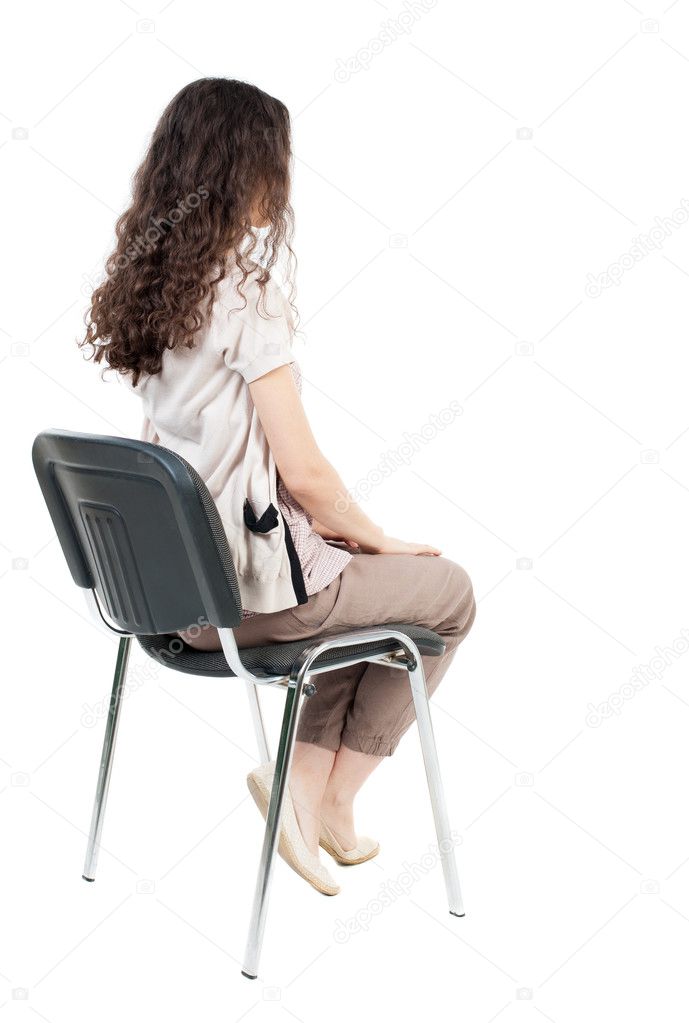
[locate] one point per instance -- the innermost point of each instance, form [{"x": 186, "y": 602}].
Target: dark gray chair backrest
[{"x": 137, "y": 524}]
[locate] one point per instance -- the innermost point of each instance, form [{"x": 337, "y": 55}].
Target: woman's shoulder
[{"x": 251, "y": 326}]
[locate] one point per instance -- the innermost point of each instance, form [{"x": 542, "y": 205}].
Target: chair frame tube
[{"x": 106, "y": 760}]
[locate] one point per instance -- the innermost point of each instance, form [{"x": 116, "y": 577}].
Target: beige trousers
[{"x": 368, "y": 707}]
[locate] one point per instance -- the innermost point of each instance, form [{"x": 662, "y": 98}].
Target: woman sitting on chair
[{"x": 190, "y": 315}]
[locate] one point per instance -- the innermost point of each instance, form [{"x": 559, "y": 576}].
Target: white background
[{"x": 452, "y": 197}]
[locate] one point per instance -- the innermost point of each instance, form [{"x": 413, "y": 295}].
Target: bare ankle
[{"x": 337, "y": 800}]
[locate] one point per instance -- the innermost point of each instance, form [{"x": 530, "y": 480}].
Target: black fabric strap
[
  {"x": 295, "y": 567},
  {"x": 267, "y": 521}
]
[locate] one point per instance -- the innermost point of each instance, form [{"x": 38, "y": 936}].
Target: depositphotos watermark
[
  {"x": 393, "y": 888},
  {"x": 643, "y": 245},
  {"x": 148, "y": 239},
  {"x": 392, "y": 29},
  {"x": 140, "y": 674},
  {"x": 642, "y": 675},
  {"x": 395, "y": 458},
  {"x": 137, "y": 677}
]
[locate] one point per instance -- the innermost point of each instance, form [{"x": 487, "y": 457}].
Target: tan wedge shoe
[
  {"x": 365, "y": 849},
  {"x": 291, "y": 846}
]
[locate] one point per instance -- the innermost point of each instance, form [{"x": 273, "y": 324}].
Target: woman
[{"x": 190, "y": 315}]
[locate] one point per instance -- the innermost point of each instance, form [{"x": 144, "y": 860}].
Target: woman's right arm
[{"x": 308, "y": 475}]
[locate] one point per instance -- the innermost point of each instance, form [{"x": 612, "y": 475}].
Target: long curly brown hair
[{"x": 218, "y": 162}]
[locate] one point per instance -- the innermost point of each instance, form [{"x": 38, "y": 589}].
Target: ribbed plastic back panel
[
  {"x": 137, "y": 524},
  {"x": 115, "y": 563}
]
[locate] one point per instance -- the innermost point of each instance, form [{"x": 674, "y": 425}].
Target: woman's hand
[
  {"x": 385, "y": 545},
  {"x": 390, "y": 545}
]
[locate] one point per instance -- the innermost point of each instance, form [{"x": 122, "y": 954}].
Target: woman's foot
[
  {"x": 338, "y": 816},
  {"x": 365, "y": 849},
  {"x": 292, "y": 847},
  {"x": 339, "y": 838}
]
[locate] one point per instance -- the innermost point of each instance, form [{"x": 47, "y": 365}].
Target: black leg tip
[
  {"x": 452, "y": 913},
  {"x": 91, "y": 879},
  {"x": 249, "y": 976}
]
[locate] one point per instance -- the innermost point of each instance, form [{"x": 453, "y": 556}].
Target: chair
[{"x": 143, "y": 539}]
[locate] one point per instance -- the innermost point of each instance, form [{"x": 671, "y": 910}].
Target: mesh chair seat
[{"x": 277, "y": 658}]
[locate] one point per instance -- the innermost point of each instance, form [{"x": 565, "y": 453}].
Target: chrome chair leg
[
  {"x": 106, "y": 759},
  {"x": 446, "y": 845},
  {"x": 257, "y": 718},
  {"x": 283, "y": 762}
]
